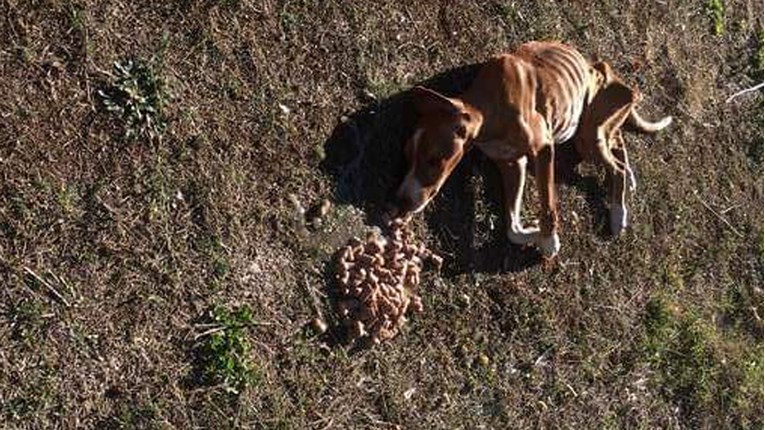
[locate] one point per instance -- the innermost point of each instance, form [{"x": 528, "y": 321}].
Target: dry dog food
[{"x": 378, "y": 281}]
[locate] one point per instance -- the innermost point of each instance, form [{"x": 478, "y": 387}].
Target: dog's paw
[
  {"x": 632, "y": 181},
  {"x": 618, "y": 219},
  {"x": 549, "y": 245},
  {"x": 521, "y": 235}
]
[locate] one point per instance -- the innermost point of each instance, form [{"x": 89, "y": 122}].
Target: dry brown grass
[{"x": 140, "y": 237}]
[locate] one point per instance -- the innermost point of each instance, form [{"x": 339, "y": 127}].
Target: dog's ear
[
  {"x": 604, "y": 71},
  {"x": 428, "y": 101}
]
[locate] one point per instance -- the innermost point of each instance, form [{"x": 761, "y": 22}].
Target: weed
[
  {"x": 716, "y": 9},
  {"x": 67, "y": 198},
  {"x": 225, "y": 353},
  {"x": 138, "y": 96},
  {"x": 78, "y": 22}
]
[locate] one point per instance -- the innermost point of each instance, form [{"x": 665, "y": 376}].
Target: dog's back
[
  {"x": 545, "y": 77},
  {"x": 563, "y": 76}
]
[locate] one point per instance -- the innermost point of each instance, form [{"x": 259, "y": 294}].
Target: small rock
[
  {"x": 483, "y": 360},
  {"x": 318, "y": 325},
  {"x": 326, "y": 205}
]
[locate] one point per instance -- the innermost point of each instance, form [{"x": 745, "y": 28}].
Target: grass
[
  {"x": 138, "y": 97},
  {"x": 695, "y": 360},
  {"x": 716, "y": 9},
  {"x": 225, "y": 352},
  {"x": 286, "y": 104}
]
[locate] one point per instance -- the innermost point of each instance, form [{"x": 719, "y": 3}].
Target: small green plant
[
  {"x": 716, "y": 10},
  {"x": 139, "y": 97},
  {"x": 225, "y": 352}
]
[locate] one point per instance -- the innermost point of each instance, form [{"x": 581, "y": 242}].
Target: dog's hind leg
[
  {"x": 617, "y": 184},
  {"x": 619, "y": 149}
]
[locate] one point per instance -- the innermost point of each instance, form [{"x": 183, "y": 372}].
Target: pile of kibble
[{"x": 378, "y": 281}]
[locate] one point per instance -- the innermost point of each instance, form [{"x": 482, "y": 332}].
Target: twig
[
  {"x": 748, "y": 90},
  {"x": 209, "y": 332},
  {"x": 47, "y": 285},
  {"x": 720, "y": 217},
  {"x": 63, "y": 282}
]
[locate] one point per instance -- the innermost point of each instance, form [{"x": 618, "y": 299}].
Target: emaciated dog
[{"x": 519, "y": 106}]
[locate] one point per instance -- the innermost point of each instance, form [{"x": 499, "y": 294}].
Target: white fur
[
  {"x": 633, "y": 181},
  {"x": 516, "y": 233},
  {"x": 618, "y": 219},
  {"x": 413, "y": 188},
  {"x": 522, "y": 236},
  {"x": 574, "y": 114}
]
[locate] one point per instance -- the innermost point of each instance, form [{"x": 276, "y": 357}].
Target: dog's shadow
[{"x": 364, "y": 157}]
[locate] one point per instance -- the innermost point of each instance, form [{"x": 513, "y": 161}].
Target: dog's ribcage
[{"x": 562, "y": 76}]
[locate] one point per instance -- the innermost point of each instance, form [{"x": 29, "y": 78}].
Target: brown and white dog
[{"x": 519, "y": 106}]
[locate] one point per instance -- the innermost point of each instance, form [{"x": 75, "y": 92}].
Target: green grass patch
[
  {"x": 716, "y": 10},
  {"x": 226, "y": 352},
  {"x": 700, "y": 368},
  {"x": 138, "y": 96}
]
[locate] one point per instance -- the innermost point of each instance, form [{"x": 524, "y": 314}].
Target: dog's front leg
[
  {"x": 513, "y": 182},
  {"x": 548, "y": 240}
]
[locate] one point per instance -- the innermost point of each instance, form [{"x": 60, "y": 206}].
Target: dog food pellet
[{"x": 378, "y": 280}]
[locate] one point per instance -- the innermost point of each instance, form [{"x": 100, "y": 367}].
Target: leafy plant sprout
[{"x": 138, "y": 96}]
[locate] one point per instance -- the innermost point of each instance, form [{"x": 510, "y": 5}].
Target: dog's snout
[{"x": 402, "y": 200}]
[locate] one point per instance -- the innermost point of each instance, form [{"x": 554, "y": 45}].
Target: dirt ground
[{"x": 165, "y": 279}]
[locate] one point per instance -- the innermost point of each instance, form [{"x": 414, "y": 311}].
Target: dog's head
[{"x": 444, "y": 130}]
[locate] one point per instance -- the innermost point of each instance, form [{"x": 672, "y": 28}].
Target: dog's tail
[{"x": 642, "y": 125}]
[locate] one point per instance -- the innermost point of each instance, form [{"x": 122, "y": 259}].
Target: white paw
[
  {"x": 618, "y": 219},
  {"x": 522, "y": 236},
  {"x": 549, "y": 245}
]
